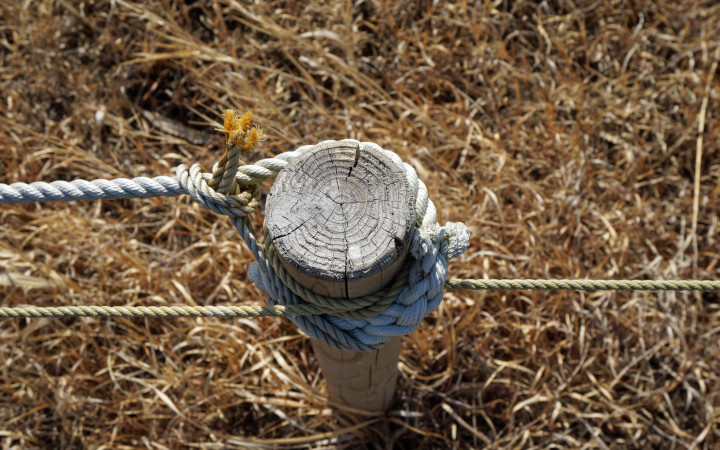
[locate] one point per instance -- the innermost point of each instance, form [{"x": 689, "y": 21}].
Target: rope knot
[
  {"x": 222, "y": 192},
  {"x": 197, "y": 183}
]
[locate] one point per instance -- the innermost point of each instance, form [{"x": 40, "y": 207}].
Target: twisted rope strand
[
  {"x": 223, "y": 179},
  {"x": 140, "y": 187},
  {"x": 166, "y": 312},
  {"x": 163, "y": 312},
  {"x": 586, "y": 285}
]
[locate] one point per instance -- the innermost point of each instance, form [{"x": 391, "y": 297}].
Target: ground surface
[{"x": 564, "y": 134}]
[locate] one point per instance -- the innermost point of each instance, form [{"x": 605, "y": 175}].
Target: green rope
[
  {"x": 363, "y": 307},
  {"x": 163, "y": 312},
  {"x": 586, "y": 285}
]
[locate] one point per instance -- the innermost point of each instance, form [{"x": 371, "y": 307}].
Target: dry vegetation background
[{"x": 564, "y": 134}]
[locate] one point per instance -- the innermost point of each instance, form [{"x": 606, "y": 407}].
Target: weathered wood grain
[
  {"x": 341, "y": 218},
  {"x": 364, "y": 380}
]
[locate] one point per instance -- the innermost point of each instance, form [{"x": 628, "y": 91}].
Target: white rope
[
  {"x": 140, "y": 187},
  {"x": 90, "y": 190}
]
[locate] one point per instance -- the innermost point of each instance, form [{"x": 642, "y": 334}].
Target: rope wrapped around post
[
  {"x": 364, "y": 323},
  {"x": 367, "y": 322}
]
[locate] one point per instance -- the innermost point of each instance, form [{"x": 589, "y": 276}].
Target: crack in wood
[{"x": 341, "y": 252}]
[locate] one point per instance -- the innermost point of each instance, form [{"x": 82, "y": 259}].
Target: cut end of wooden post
[{"x": 341, "y": 218}]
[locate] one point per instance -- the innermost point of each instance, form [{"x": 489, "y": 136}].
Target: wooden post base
[{"x": 363, "y": 380}]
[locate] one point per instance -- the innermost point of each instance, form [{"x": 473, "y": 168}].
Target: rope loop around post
[
  {"x": 362, "y": 323},
  {"x": 367, "y": 322}
]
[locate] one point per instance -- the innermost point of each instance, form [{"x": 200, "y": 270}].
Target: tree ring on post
[{"x": 341, "y": 218}]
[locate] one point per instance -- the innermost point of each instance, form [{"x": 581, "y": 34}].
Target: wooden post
[
  {"x": 363, "y": 380},
  {"x": 341, "y": 218}
]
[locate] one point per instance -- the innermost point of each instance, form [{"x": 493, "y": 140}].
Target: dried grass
[{"x": 563, "y": 133}]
